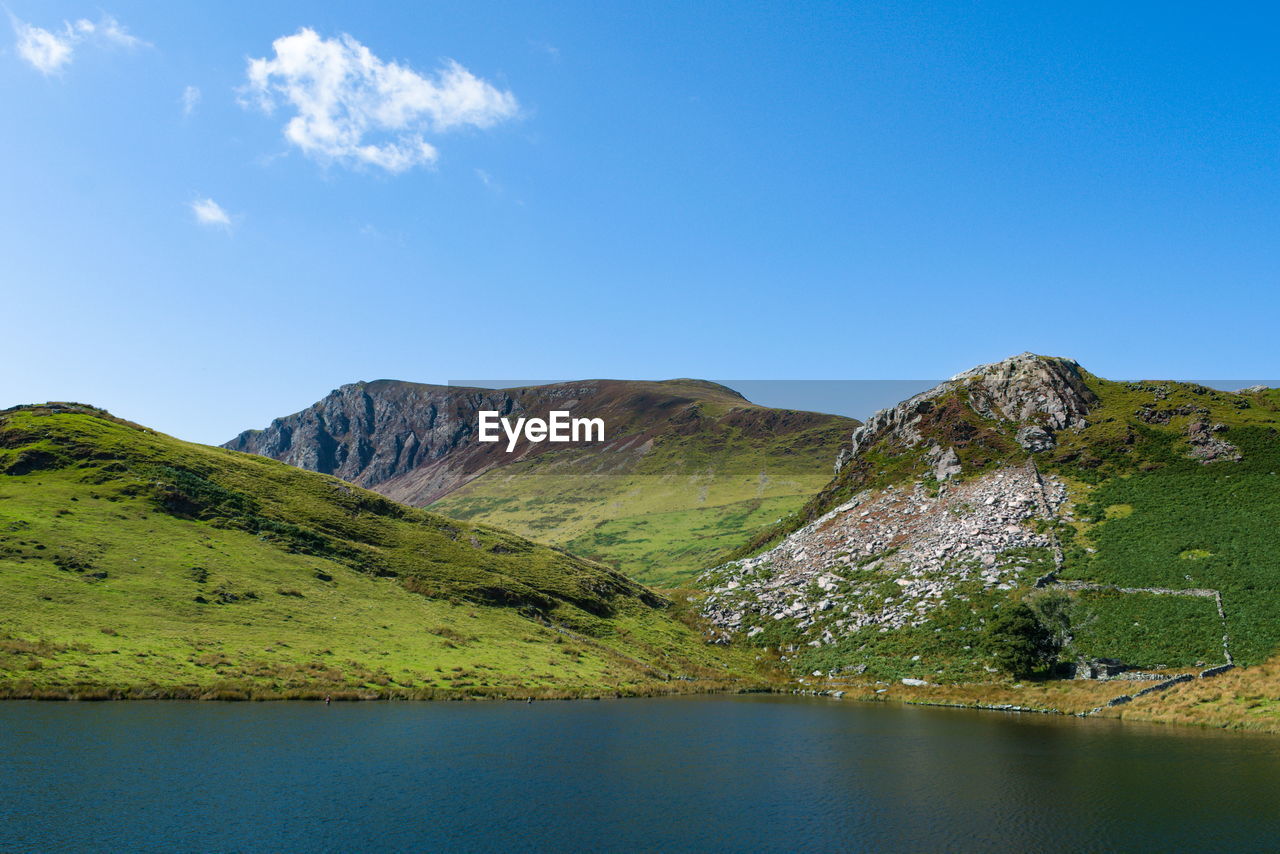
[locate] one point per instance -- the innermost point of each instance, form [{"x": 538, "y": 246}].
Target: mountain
[
  {"x": 688, "y": 470},
  {"x": 135, "y": 564},
  {"x": 1137, "y": 521}
]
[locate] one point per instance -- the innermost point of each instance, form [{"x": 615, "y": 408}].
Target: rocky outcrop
[
  {"x": 1207, "y": 445},
  {"x": 373, "y": 433},
  {"x": 1040, "y": 394},
  {"x": 948, "y": 465},
  {"x": 1046, "y": 391}
]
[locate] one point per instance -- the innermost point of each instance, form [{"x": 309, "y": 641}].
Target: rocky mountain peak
[
  {"x": 1049, "y": 392},
  {"x": 1036, "y": 396}
]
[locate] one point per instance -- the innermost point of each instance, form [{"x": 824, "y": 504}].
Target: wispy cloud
[
  {"x": 50, "y": 51},
  {"x": 110, "y": 30},
  {"x": 190, "y": 100},
  {"x": 355, "y": 109},
  {"x": 210, "y": 213},
  {"x": 551, "y": 51}
]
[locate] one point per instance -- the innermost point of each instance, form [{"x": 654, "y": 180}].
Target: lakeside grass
[{"x": 1244, "y": 698}]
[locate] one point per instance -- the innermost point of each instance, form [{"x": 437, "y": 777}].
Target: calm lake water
[{"x": 706, "y": 773}]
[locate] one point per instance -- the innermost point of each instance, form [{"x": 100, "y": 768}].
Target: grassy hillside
[
  {"x": 1173, "y": 504},
  {"x": 134, "y": 564},
  {"x": 666, "y": 508},
  {"x": 1149, "y": 514}
]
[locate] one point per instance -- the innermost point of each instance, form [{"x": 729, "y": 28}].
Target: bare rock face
[
  {"x": 1030, "y": 388},
  {"x": 1035, "y": 438},
  {"x": 373, "y": 433},
  {"x": 948, "y": 465},
  {"x": 1039, "y": 394}
]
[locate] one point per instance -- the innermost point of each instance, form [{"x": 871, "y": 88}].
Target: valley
[
  {"x": 981, "y": 544},
  {"x": 687, "y": 471}
]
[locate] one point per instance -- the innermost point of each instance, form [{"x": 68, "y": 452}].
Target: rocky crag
[
  {"x": 1024, "y": 478},
  {"x": 888, "y": 557}
]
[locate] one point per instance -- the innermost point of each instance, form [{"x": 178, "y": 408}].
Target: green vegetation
[
  {"x": 1147, "y": 630},
  {"x": 663, "y": 547},
  {"x": 1018, "y": 643},
  {"x": 134, "y": 564},
  {"x": 671, "y": 505},
  {"x": 1192, "y": 525}
]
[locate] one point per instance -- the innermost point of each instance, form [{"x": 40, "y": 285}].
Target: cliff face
[
  {"x": 416, "y": 443},
  {"x": 372, "y": 433}
]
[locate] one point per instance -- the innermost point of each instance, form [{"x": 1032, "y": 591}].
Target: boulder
[
  {"x": 948, "y": 465},
  {"x": 1035, "y": 438}
]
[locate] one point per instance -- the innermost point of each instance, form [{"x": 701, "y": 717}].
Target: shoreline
[{"x": 1142, "y": 715}]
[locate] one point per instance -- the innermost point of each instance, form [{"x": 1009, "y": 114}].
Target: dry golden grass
[
  {"x": 1245, "y": 698},
  {"x": 1065, "y": 697}
]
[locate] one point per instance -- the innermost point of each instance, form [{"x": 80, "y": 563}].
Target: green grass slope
[
  {"x": 1149, "y": 515},
  {"x": 135, "y": 564},
  {"x": 669, "y": 506}
]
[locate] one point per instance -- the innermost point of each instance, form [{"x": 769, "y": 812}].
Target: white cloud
[
  {"x": 190, "y": 100},
  {"x": 49, "y": 51},
  {"x": 111, "y": 30},
  {"x": 354, "y": 108},
  {"x": 209, "y": 212}
]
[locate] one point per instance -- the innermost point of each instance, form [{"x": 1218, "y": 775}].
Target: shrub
[{"x": 1019, "y": 643}]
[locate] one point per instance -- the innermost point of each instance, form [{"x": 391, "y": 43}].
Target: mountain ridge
[{"x": 722, "y": 465}]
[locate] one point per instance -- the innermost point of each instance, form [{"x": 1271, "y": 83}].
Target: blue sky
[{"x": 816, "y": 191}]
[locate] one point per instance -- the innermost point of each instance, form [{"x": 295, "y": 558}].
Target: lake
[{"x": 707, "y": 773}]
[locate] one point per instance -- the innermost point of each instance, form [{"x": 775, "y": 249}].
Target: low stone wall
[
  {"x": 1139, "y": 676},
  {"x": 1161, "y": 686}
]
